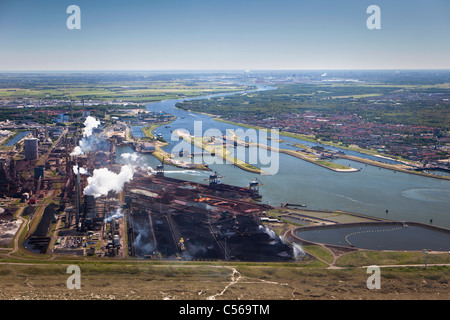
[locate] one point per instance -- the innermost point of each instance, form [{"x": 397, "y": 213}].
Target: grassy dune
[{"x": 155, "y": 281}]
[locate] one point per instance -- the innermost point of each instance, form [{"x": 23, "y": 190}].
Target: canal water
[
  {"x": 371, "y": 191},
  {"x": 16, "y": 138}
]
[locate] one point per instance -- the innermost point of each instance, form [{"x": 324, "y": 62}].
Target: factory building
[
  {"x": 31, "y": 148},
  {"x": 148, "y": 147}
]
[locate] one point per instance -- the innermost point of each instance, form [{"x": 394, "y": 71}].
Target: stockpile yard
[
  {"x": 8, "y": 225},
  {"x": 177, "y": 219},
  {"x": 39, "y": 241},
  {"x": 120, "y": 207}
]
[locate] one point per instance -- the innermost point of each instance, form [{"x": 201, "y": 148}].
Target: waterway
[
  {"x": 371, "y": 191},
  {"x": 19, "y": 136}
]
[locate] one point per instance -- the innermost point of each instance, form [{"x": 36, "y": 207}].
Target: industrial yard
[
  {"x": 66, "y": 195},
  {"x": 73, "y": 199},
  {"x": 220, "y": 150},
  {"x": 173, "y": 218}
]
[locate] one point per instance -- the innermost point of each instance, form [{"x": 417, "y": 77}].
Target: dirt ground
[{"x": 193, "y": 282}]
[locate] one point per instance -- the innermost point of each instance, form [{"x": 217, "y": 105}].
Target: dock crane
[
  {"x": 214, "y": 179},
  {"x": 254, "y": 188}
]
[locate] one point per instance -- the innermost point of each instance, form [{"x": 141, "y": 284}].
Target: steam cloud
[
  {"x": 103, "y": 181},
  {"x": 116, "y": 215},
  {"x": 141, "y": 243},
  {"x": 86, "y": 142},
  {"x": 135, "y": 159},
  {"x": 298, "y": 250},
  {"x": 90, "y": 124},
  {"x": 131, "y": 157},
  {"x": 270, "y": 232},
  {"x": 82, "y": 170}
]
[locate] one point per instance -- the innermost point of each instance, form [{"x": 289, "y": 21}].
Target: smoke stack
[{"x": 78, "y": 199}]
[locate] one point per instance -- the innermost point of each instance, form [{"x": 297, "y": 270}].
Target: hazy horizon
[
  {"x": 214, "y": 35},
  {"x": 213, "y": 70}
]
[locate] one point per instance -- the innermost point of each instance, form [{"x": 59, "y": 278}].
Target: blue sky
[{"x": 224, "y": 35}]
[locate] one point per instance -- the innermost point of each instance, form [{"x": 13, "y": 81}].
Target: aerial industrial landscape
[
  {"x": 100, "y": 184},
  {"x": 236, "y": 152}
]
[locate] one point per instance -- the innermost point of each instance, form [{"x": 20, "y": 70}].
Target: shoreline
[
  {"x": 300, "y": 156},
  {"x": 226, "y": 157},
  {"x": 349, "y": 157},
  {"x": 310, "y": 139},
  {"x": 391, "y": 167},
  {"x": 163, "y": 156}
]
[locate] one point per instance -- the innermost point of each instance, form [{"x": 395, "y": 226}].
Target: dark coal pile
[
  {"x": 246, "y": 241},
  {"x": 71, "y": 233},
  {"x": 49, "y": 212},
  {"x": 166, "y": 245},
  {"x": 28, "y": 211},
  {"x": 198, "y": 241},
  {"x": 38, "y": 242},
  {"x": 190, "y": 235},
  {"x": 143, "y": 243},
  {"x": 182, "y": 220}
]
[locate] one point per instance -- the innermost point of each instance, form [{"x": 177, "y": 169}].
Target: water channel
[{"x": 371, "y": 191}]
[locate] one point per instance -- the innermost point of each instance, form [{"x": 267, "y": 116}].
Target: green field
[
  {"x": 394, "y": 104},
  {"x": 132, "y": 91}
]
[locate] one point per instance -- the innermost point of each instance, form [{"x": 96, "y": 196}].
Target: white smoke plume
[
  {"x": 82, "y": 170},
  {"x": 86, "y": 142},
  {"x": 130, "y": 157},
  {"x": 135, "y": 159},
  {"x": 270, "y": 232},
  {"x": 77, "y": 151},
  {"x": 116, "y": 215},
  {"x": 90, "y": 124},
  {"x": 299, "y": 253},
  {"x": 103, "y": 181},
  {"x": 141, "y": 243}
]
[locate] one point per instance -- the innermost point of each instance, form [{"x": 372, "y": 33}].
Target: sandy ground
[{"x": 215, "y": 282}]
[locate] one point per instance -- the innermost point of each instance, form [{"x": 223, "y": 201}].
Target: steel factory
[{"x": 81, "y": 201}]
